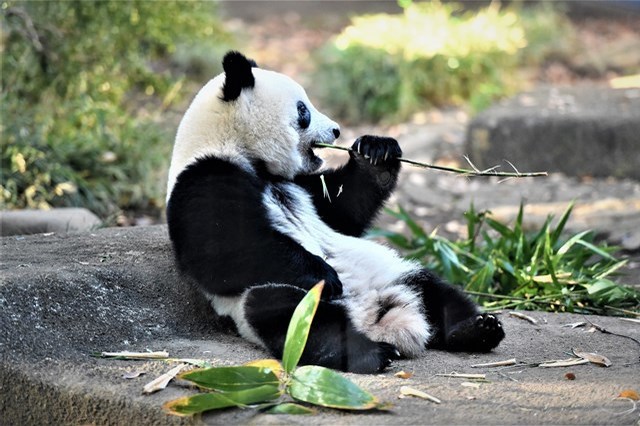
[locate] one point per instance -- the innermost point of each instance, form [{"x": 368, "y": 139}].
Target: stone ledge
[
  {"x": 579, "y": 131},
  {"x": 63, "y": 297}
]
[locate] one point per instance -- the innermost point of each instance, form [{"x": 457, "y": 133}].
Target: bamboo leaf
[
  {"x": 290, "y": 408},
  {"x": 201, "y": 402},
  {"x": 299, "y": 327},
  {"x": 596, "y": 250},
  {"x": 555, "y": 235},
  {"x": 232, "y": 378},
  {"x": 571, "y": 241},
  {"x": 394, "y": 237},
  {"x": 503, "y": 230},
  {"x": 272, "y": 364},
  {"x": 413, "y": 226},
  {"x": 321, "y": 386}
]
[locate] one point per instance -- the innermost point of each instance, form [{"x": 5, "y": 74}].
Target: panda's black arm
[
  {"x": 357, "y": 190},
  {"x": 223, "y": 239}
]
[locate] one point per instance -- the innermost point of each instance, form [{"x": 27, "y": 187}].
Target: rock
[
  {"x": 64, "y": 297},
  {"x": 579, "y": 131},
  {"x": 60, "y": 220}
]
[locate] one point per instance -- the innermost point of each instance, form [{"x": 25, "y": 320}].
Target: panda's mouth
[{"x": 313, "y": 162}]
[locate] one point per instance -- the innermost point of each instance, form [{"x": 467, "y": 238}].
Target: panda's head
[{"x": 248, "y": 114}]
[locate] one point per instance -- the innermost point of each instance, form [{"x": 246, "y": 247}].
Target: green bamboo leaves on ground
[
  {"x": 299, "y": 327},
  {"x": 322, "y": 386},
  {"x": 212, "y": 401},
  {"x": 229, "y": 379},
  {"x": 262, "y": 383},
  {"x": 506, "y": 267}
]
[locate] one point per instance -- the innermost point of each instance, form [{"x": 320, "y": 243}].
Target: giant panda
[{"x": 250, "y": 224}]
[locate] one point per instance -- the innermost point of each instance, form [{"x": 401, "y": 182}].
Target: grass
[
  {"x": 503, "y": 266},
  {"x": 387, "y": 67}
]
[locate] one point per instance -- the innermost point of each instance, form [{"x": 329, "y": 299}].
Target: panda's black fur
[{"x": 256, "y": 232}]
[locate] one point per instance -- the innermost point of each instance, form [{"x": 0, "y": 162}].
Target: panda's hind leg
[
  {"x": 333, "y": 341},
  {"x": 459, "y": 325}
]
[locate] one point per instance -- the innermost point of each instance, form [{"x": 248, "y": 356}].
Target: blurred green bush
[
  {"x": 85, "y": 88},
  {"x": 390, "y": 66}
]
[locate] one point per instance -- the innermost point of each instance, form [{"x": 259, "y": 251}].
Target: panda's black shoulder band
[{"x": 238, "y": 75}]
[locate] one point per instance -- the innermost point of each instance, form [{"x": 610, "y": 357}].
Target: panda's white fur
[
  {"x": 260, "y": 127},
  {"x": 370, "y": 273},
  {"x": 212, "y": 127}
]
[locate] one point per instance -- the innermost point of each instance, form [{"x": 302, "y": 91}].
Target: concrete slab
[
  {"x": 578, "y": 130},
  {"x": 63, "y": 297}
]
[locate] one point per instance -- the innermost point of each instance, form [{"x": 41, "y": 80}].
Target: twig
[
  {"x": 467, "y": 172},
  {"x": 605, "y": 331},
  {"x": 524, "y": 317},
  {"x": 464, "y": 376},
  {"x": 511, "y": 361}
]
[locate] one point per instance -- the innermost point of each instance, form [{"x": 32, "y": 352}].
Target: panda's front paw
[
  {"x": 332, "y": 287},
  {"x": 376, "y": 149},
  {"x": 319, "y": 270}
]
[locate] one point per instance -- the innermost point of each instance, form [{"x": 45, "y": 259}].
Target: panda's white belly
[
  {"x": 372, "y": 275},
  {"x": 362, "y": 265}
]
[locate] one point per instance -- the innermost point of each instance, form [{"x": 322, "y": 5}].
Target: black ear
[{"x": 238, "y": 75}]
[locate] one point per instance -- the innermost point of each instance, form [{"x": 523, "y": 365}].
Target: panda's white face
[
  {"x": 286, "y": 124},
  {"x": 259, "y": 115}
]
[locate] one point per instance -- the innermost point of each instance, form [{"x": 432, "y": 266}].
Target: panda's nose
[{"x": 336, "y": 133}]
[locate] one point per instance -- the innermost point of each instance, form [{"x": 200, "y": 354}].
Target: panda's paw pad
[
  {"x": 377, "y": 149},
  {"x": 480, "y": 333}
]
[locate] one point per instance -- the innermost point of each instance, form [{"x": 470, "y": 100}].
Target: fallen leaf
[
  {"x": 230, "y": 379},
  {"x": 474, "y": 385},
  {"x": 290, "y": 408},
  {"x": 162, "y": 381},
  {"x": 629, "y": 393},
  {"x": 592, "y": 357},
  {"x": 524, "y": 317},
  {"x": 134, "y": 355},
  {"x": 464, "y": 376},
  {"x": 575, "y": 324},
  {"x": 200, "y": 402},
  {"x": 132, "y": 374},
  {"x": 563, "y": 363},
  {"x": 403, "y": 374},
  {"x": 322, "y": 386},
  {"x": 511, "y": 361},
  {"x": 408, "y": 391},
  {"x": 201, "y": 363}
]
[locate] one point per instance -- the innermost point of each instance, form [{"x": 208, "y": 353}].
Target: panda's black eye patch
[{"x": 304, "y": 116}]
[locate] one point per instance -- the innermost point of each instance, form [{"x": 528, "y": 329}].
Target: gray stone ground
[{"x": 65, "y": 297}]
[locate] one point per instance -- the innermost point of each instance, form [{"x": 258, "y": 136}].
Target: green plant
[
  {"x": 265, "y": 382},
  {"x": 84, "y": 85},
  {"x": 506, "y": 267},
  {"x": 390, "y": 66}
]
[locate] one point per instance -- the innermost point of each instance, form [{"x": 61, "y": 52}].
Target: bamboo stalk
[{"x": 467, "y": 172}]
